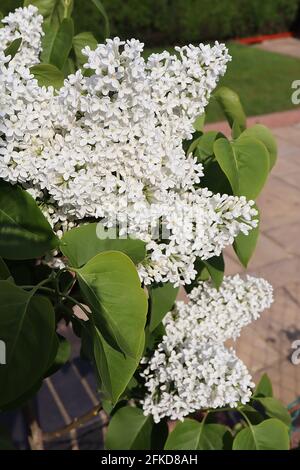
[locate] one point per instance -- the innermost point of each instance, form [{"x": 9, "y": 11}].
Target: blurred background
[
  {"x": 262, "y": 72},
  {"x": 169, "y": 22}
]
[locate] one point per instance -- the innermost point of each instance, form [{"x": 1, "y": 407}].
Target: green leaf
[
  {"x": 199, "y": 123},
  {"x": 27, "y": 325},
  {"x": 115, "y": 370},
  {"x": 153, "y": 338},
  {"x": 53, "y": 11},
  {"x": 80, "y": 41},
  {"x": 264, "y": 134},
  {"x": 190, "y": 145},
  {"x": 62, "y": 44},
  {"x": 69, "y": 67},
  {"x": 99, "y": 5},
  {"x": 271, "y": 434},
  {"x": 264, "y": 387},
  {"x": 4, "y": 271},
  {"x": 232, "y": 107},
  {"x": 13, "y": 48},
  {"x": 212, "y": 268},
  {"x": 47, "y": 43},
  {"x": 205, "y": 145},
  {"x": 203, "y": 148},
  {"x": 236, "y": 130},
  {"x": 24, "y": 231},
  {"x": 275, "y": 409},
  {"x": 214, "y": 178},
  {"x": 57, "y": 44},
  {"x": 244, "y": 245},
  {"x": 62, "y": 356},
  {"x": 215, "y": 266},
  {"x": 48, "y": 75},
  {"x": 23, "y": 399},
  {"x": 254, "y": 416},
  {"x": 245, "y": 162},
  {"x": 111, "y": 285},
  {"x": 162, "y": 298},
  {"x": 129, "y": 429},
  {"x": 192, "y": 435},
  {"x": 202, "y": 274},
  {"x": 81, "y": 244}
]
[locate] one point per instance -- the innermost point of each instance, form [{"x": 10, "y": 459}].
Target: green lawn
[{"x": 262, "y": 79}]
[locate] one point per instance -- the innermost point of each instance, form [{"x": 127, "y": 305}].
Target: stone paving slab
[
  {"x": 286, "y": 46},
  {"x": 266, "y": 345}
]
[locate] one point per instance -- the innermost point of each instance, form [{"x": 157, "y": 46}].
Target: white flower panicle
[
  {"x": 192, "y": 377},
  {"x": 191, "y": 368},
  {"x": 219, "y": 314},
  {"x": 110, "y": 145},
  {"x": 24, "y": 23}
]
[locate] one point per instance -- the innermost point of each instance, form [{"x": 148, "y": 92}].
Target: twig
[
  {"x": 75, "y": 424},
  {"x": 35, "y": 437}
]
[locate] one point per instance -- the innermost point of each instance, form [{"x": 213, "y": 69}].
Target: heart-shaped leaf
[
  {"x": 271, "y": 434},
  {"x": 162, "y": 298},
  {"x": 192, "y": 435},
  {"x": 27, "y": 326},
  {"x": 264, "y": 134},
  {"x": 24, "y": 231},
  {"x": 275, "y": 409},
  {"x": 112, "y": 287},
  {"x": 232, "y": 107},
  {"x": 62, "y": 44},
  {"x": 53, "y": 11},
  {"x": 129, "y": 429},
  {"x": 81, "y": 244},
  {"x": 114, "y": 369},
  {"x": 216, "y": 266},
  {"x": 48, "y": 75},
  {"x": 80, "y": 41},
  {"x": 264, "y": 387},
  {"x": 244, "y": 245},
  {"x": 245, "y": 162}
]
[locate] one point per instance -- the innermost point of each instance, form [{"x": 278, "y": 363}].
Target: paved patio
[
  {"x": 286, "y": 46},
  {"x": 266, "y": 345}
]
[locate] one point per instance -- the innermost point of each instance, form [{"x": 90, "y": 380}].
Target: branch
[
  {"x": 35, "y": 437},
  {"x": 75, "y": 424}
]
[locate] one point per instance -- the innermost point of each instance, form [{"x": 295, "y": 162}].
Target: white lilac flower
[
  {"x": 24, "y": 23},
  {"x": 191, "y": 369},
  {"x": 219, "y": 314},
  {"x": 110, "y": 145}
]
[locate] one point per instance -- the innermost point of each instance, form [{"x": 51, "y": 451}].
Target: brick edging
[{"x": 273, "y": 120}]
